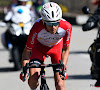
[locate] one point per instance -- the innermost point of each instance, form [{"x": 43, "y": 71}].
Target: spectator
[
  {"x": 37, "y": 6},
  {"x": 95, "y": 2},
  {"x": 89, "y": 25}
]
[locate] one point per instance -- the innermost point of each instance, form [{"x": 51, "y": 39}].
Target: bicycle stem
[{"x": 42, "y": 73}]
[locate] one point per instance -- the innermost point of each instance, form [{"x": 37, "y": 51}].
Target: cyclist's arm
[
  {"x": 66, "y": 43},
  {"x": 25, "y": 57},
  {"x": 29, "y": 44},
  {"x": 65, "y": 55}
]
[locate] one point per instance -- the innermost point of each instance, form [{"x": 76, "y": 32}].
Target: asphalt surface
[{"x": 78, "y": 67}]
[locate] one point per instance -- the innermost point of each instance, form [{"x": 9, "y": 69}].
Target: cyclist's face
[{"x": 52, "y": 29}]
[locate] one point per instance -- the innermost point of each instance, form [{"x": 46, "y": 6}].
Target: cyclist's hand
[
  {"x": 64, "y": 76},
  {"x": 22, "y": 76}
]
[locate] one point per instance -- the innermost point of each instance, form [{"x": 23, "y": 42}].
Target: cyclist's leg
[
  {"x": 35, "y": 72},
  {"x": 33, "y": 79},
  {"x": 59, "y": 83},
  {"x": 55, "y": 54}
]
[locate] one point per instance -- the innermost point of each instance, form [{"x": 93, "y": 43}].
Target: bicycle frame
[{"x": 43, "y": 85}]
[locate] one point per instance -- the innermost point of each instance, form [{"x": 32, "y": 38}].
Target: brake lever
[
  {"x": 62, "y": 67},
  {"x": 25, "y": 70}
]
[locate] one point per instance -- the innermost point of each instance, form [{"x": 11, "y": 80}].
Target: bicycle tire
[
  {"x": 44, "y": 87},
  {"x": 16, "y": 58}
]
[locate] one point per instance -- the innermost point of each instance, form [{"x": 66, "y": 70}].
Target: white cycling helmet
[
  {"x": 23, "y": 0},
  {"x": 51, "y": 12}
]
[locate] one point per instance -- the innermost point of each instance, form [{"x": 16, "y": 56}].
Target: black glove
[
  {"x": 88, "y": 26},
  {"x": 84, "y": 27}
]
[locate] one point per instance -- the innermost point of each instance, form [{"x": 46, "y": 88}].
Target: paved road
[{"x": 78, "y": 65}]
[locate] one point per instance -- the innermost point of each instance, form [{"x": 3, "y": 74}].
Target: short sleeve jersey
[{"x": 40, "y": 34}]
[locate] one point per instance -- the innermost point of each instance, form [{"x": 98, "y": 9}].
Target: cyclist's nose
[{"x": 54, "y": 27}]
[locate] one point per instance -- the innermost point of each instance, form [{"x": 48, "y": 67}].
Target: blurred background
[
  {"x": 71, "y": 8},
  {"x": 79, "y": 63}
]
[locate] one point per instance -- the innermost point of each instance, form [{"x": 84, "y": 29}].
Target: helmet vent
[
  {"x": 44, "y": 7},
  {"x": 46, "y": 11},
  {"x": 48, "y": 16},
  {"x": 50, "y": 5},
  {"x": 57, "y": 10},
  {"x": 57, "y": 15},
  {"x": 43, "y": 15},
  {"x": 52, "y": 14}
]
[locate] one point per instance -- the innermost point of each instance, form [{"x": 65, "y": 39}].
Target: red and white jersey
[{"x": 40, "y": 34}]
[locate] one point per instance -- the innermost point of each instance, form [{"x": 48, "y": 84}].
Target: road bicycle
[{"x": 44, "y": 85}]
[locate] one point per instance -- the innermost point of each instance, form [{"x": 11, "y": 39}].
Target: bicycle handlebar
[{"x": 32, "y": 65}]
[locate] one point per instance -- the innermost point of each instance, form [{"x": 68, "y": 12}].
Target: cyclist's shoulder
[
  {"x": 39, "y": 22},
  {"x": 65, "y": 24},
  {"x": 38, "y": 25}
]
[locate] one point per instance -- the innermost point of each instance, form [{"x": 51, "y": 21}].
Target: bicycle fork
[{"x": 43, "y": 85}]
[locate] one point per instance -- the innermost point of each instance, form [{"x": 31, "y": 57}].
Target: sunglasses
[{"x": 52, "y": 24}]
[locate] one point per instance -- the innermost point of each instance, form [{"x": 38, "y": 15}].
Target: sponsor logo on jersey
[
  {"x": 53, "y": 38},
  {"x": 33, "y": 37}
]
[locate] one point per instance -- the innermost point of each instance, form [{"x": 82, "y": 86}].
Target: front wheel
[
  {"x": 44, "y": 87},
  {"x": 16, "y": 58}
]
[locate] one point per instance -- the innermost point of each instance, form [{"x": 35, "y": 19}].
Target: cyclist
[
  {"x": 91, "y": 23},
  {"x": 37, "y": 6},
  {"x": 50, "y": 35},
  {"x": 95, "y": 2}
]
